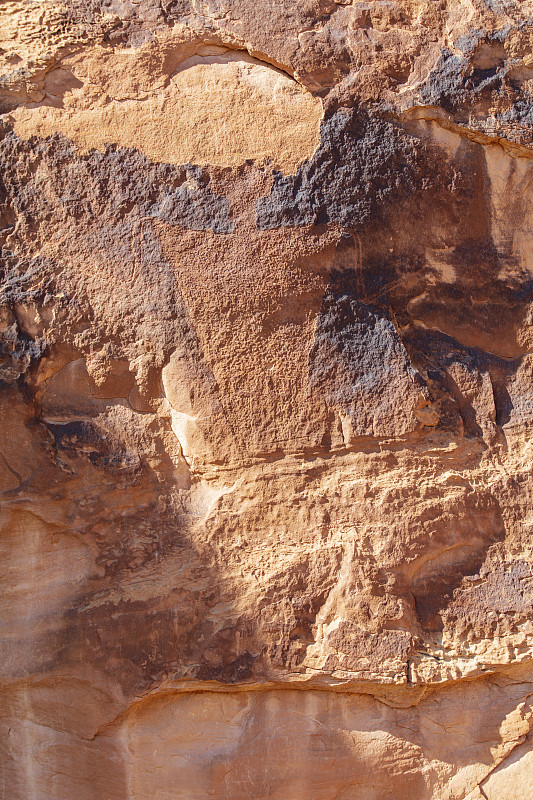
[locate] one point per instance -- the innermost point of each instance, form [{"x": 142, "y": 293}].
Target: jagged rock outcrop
[{"x": 266, "y": 400}]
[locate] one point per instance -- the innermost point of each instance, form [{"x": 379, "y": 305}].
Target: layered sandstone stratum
[{"x": 267, "y": 400}]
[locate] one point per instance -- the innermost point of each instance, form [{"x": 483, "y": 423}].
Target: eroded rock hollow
[{"x": 266, "y": 402}]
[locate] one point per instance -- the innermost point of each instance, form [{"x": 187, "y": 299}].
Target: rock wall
[{"x": 266, "y": 416}]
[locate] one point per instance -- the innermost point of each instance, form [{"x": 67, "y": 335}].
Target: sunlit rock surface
[{"x": 266, "y": 317}]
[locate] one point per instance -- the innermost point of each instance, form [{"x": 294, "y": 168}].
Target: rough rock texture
[{"x": 266, "y": 363}]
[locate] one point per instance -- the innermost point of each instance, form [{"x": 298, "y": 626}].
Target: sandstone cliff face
[{"x": 267, "y": 400}]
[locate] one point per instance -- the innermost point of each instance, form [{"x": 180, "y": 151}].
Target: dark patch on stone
[
  {"x": 519, "y": 118},
  {"x": 469, "y": 41},
  {"x": 114, "y": 199},
  {"x": 363, "y": 162},
  {"x": 484, "y": 81},
  {"x": 445, "y": 84},
  {"x": 358, "y": 362},
  {"x": 462, "y": 79},
  {"x": 84, "y": 439},
  {"x": 114, "y": 184},
  {"x": 239, "y": 669},
  {"x": 483, "y": 78}
]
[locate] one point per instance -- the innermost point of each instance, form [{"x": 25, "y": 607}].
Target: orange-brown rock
[{"x": 266, "y": 359}]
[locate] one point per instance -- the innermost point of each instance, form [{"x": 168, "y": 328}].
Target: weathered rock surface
[{"x": 266, "y": 405}]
